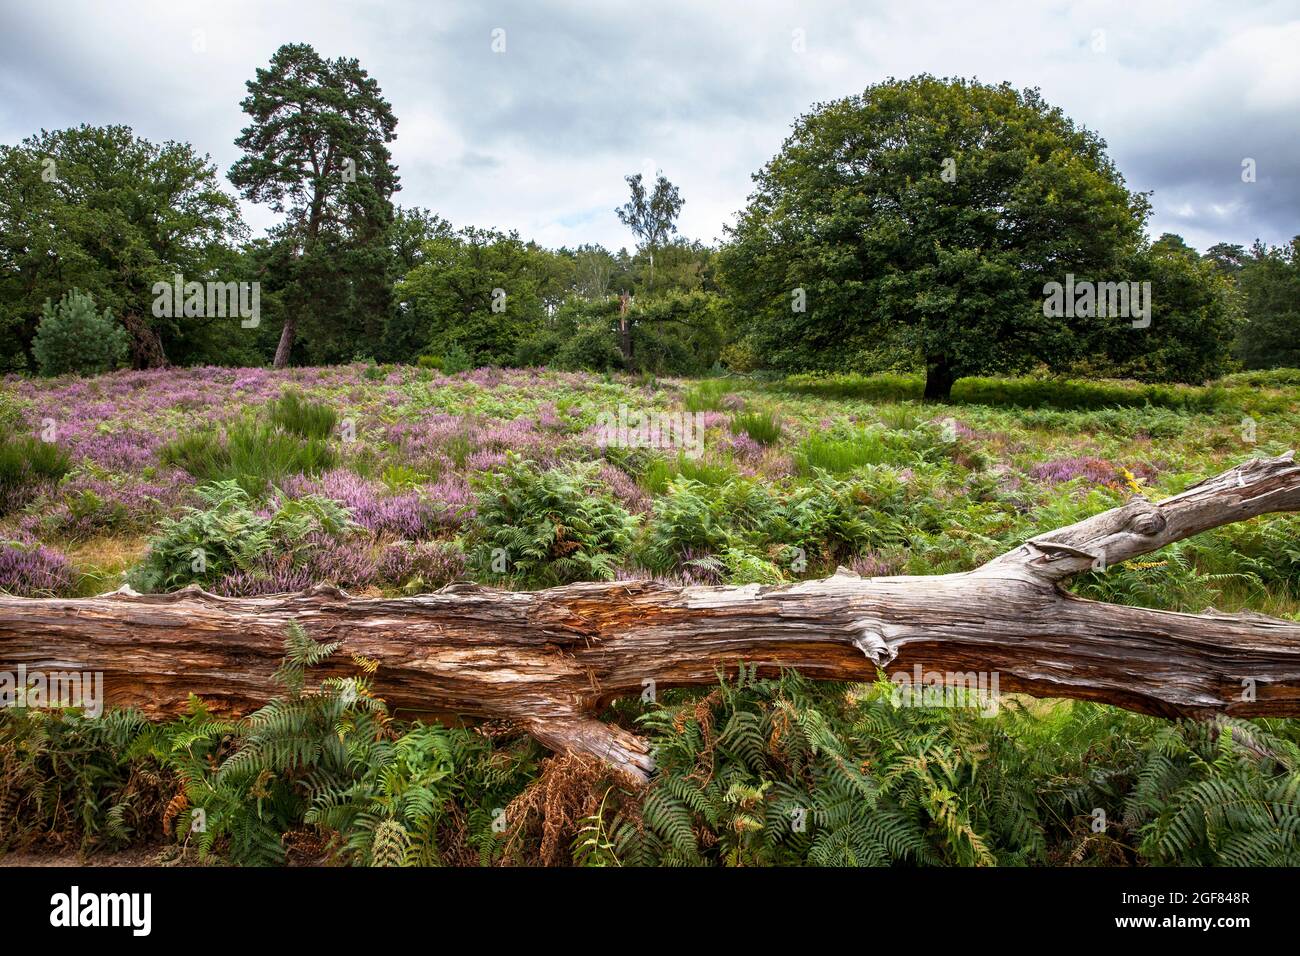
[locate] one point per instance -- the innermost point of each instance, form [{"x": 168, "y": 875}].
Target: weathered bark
[
  {"x": 550, "y": 659},
  {"x": 146, "y": 345},
  {"x": 287, "y": 334}
]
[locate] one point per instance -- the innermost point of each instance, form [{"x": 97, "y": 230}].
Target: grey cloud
[{"x": 538, "y": 137}]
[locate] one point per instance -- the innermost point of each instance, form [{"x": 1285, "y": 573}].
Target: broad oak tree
[{"x": 922, "y": 219}]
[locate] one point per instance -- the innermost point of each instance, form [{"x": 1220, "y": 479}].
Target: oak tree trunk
[{"x": 939, "y": 378}]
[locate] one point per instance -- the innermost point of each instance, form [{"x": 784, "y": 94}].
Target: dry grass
[{"x": 101, "y": 562}]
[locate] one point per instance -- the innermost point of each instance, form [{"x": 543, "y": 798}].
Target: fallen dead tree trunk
[{"x": 550, "y": 659}]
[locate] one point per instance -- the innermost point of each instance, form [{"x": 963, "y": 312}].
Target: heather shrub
[
  {"x": 1096, "y": 471},
  {"x": 73, "y": 337},
  {"x": 548, "y": 526},
  {"x": 324, "y": 558},
  {"x": 404, "y": 514},
  {"x": 228, "y": 536},
  {"x": 27, "y": 462},
  {"x": 421, "y": 566},
  {"x": 28, "y": 569}
]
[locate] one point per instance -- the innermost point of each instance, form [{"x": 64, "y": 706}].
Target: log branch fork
[{"x": 551, "y": 659}]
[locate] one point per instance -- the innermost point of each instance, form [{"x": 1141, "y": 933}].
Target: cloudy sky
[{"x": 538, "y": 137}]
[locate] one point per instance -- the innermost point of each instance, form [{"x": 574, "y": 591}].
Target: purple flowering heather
[
  {"x": 125, "y": 450},
  {"x": 429, "y": 435},
  {"x": 486, "y": 377},
  {"x": 403, "y": 515},
  {"x": 872, "y": 566},
  {"x": 28, "y": 569},
  {"x": 1096, "y": 470},
  {"x": 685, "y": 574},
  {"x": 453, "y": 502},
  {"x": 432, "y": 563},
  {"x": 87, "y": 505},
  {"x": 549, "y": 417},
  {"x": 742, "y": 446},
  {"x": 517, "y": 435},
  {"x": 346, "y": 564},
  {"x": 257, "y": 583},
  {"x": 485, "y": 460},
  {"x": 624, "y": 489}
]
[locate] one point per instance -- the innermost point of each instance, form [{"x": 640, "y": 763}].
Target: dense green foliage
[
  {"x": 548, "y": 526},
  {"x": 756, "y": 772},
  {"x": 912, "y": 228},
  {"x": 858, "y": 238},
  {"x": 294, "y": 439},
  {"x": 228, "y": 535},
  {"x": 916, "y": 225},
  {"x": 1268, "y": 280},
  {"x": 1022, "y": 392},
  {"x": 479, "y": 291},
  {"x": 104, "y": 211},
  {"x": 304, "y": 418}
]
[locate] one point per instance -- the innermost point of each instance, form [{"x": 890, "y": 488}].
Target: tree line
[{"x": 916, "y": 226}]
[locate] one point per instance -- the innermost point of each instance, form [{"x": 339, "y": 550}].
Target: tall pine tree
[{"x": 317, "y": 151}]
